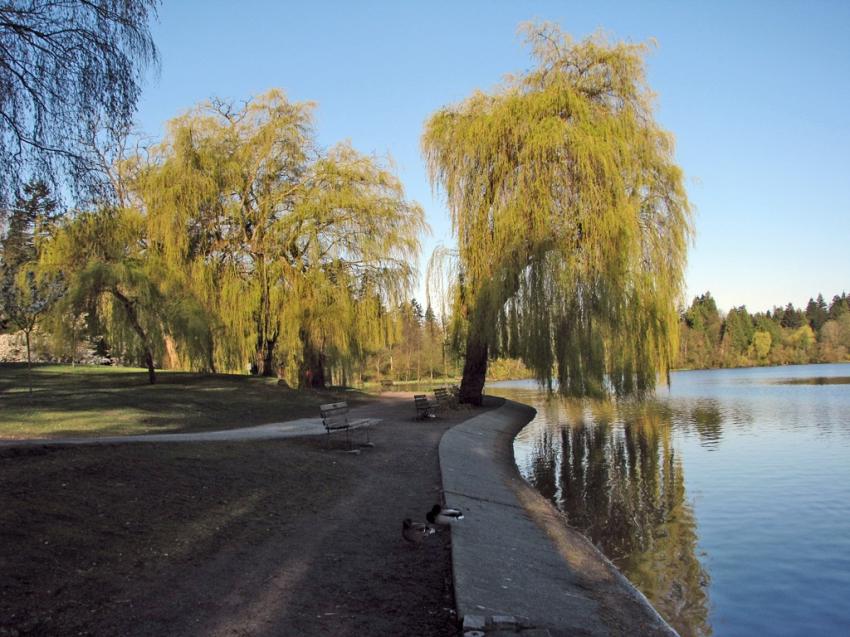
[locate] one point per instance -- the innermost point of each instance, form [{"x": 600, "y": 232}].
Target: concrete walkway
[
  {"x": 286, "y": 429},
  {"x": 517, "y": 567}
]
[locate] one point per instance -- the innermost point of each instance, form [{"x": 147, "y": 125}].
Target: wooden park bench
[
  {"x": 424, "y": 407},
  {"x": 335, "y": 418},
  {"x": 445, "y": 398}
]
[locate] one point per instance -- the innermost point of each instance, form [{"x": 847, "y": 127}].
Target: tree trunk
[
  {"x": 149, "y": 363},
  {"x": 129, "y": 307},
  {"x": 265, "y": 356},
  {"x": 211, "y": 354},
  {"x": 268, "y": 358},
  {"x": 312, "y": 367},
  {"x": 474, "y": 371},
  {"x": 74, "y": 342},
  {"x": 267, "y": 333},
  {"x": 29, "y": 362}
]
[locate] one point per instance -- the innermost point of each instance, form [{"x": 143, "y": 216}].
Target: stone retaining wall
[{"x": 517, "y": 566}]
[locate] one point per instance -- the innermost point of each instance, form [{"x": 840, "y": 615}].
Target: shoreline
[{"x": 516, "y": 564}]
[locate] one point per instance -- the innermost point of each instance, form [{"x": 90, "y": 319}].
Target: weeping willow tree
[
  {"x": 571, "y": 218},
  {"x": 353, "y": 235},
  {"x": 213, "y": 192},
  {"x": 286, "y": 247},
  {"x": 112, "y": 275}
]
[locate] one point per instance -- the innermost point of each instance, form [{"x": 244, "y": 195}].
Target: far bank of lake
[{"x": 725, "y": 499}]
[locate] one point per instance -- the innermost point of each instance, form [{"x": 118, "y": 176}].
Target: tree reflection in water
[{"x": 615, "y": 474}]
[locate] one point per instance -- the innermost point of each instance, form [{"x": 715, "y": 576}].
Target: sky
[{"x": 757, "y": 95}]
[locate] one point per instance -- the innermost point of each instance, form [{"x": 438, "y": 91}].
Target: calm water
[{"x": 726, "y": 499}]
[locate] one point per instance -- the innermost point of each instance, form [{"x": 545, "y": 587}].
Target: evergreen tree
[
  {"x": 839, "y": 306},
  {"x": 817, "y": 313},
  {"x": 431, "y": 321},
  {"x": 792, "y": 318},
  {"x": 30, "y": 221},
  {"x": 702, "y": 334},
  {"x": 26, "y": 294},
  {"x": 766, "y": 323},
  {"x": 738, "y": 330}
]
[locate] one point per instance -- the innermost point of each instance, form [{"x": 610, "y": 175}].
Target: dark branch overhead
[{"x": 70, "y": 72}]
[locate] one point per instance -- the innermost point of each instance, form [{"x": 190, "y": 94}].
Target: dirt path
[{"x": 277, "y": 537}]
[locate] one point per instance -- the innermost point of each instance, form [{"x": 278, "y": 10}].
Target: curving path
[
  {"x": 270, "y": 431},
  {"x": 516, "y": 565}
]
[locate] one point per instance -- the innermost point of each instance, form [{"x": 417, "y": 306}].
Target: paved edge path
[
  {"x": 516, "y": 565},
  {"x": 290, "y": 428}
]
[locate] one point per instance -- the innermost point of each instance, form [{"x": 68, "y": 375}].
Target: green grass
[{"x": 82, "y": 401}]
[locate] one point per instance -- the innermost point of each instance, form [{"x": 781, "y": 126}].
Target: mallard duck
[
  {"x": 443, "y": 515},
  {"x": 415, "y": 532}
]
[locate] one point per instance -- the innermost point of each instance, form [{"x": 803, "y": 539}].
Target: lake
[{"x": 725, "y": 499}]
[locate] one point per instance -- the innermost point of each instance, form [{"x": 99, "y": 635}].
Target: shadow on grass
[
  {"x": 222, "y": 538},
  {"x": 143, "y": 536},
  {"x": 68, "y": 401}
]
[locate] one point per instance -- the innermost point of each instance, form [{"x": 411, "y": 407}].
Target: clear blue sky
[{"x": 756, "y": 93}]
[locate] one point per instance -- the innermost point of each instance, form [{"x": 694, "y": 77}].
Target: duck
[
  {"x": 443, "y": 515},
  {"x": 415, "y": 532}
]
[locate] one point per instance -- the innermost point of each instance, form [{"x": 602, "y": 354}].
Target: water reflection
[
  {"x": 707, "y": 419},
  {"x": 615, "y": 474},
  {"x": 817, "y": 380},
  {"x": 767, "y": 457}
]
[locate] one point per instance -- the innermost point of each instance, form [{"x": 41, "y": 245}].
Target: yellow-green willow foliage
[
  {"x": 571, "y": 217},
  {"x": 124, "y": 287},
  {"x": 292, "y": 252}
]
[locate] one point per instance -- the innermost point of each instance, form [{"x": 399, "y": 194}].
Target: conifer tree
[{"x": 26, "y": 294}]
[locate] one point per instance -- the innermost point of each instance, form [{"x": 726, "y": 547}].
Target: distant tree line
[{"x": 818, "y": 333}]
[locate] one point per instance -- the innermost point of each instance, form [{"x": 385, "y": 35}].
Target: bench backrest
[
  {"x": 441, "y": 393},
  {"x": 421, "y": 400},
  {"x": 335, "y": 415}
]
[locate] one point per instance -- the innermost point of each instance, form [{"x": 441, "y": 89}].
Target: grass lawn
[
  {"x": 80, "y": 401},
  {"x": 224, "y": 538}
]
